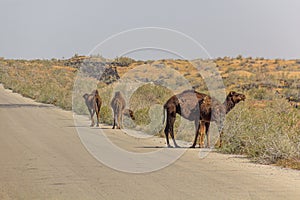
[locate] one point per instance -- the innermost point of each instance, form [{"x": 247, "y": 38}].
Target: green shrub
[
  {"x": 106, "y": 115},
  {"x": 123, "y": 61},
  {"x": 148, "y": 95},
  {"x": 264, "y": 134},
  {"x": 261, "y": 94},
  {"x": 142, "y": 116}
]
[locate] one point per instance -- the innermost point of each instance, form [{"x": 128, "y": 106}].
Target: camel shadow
[
  {"x": 86, "y": 126},
  {"x": 104, "y": 128},
  {"x": 178, "y": 147},
  {"x": 73, "y": 126},
  {"x": 162, "y": 147}
]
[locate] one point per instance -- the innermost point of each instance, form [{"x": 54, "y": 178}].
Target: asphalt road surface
[{"x": 43, "y": 157}]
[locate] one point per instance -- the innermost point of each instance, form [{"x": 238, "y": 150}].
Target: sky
[{"x": 60, "y": 28}]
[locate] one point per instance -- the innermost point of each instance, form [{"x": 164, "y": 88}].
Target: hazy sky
[{"x": 60, "y": 28}]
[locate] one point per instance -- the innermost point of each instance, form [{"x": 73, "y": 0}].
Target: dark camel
[
  {"x": 118, "y": 105},
  {"x": 200, "y": 108},
  {"x": 93, "y": 101}
]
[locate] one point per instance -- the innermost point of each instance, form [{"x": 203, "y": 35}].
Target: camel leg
[
  {"x": 173, "y": 118},
  {"x": 114, "y": 125},
  {"x": 221, "y": 135},
  {"x": 98, "y": 117},
  {"x": 197, "y": 127},
  {"x": 92, "y": 112},
  {"x": 169, "y": 128},
  {"x": 173, "y": 138},
  {"x": 220, "y": 127},
  {"x": 167, "y": 134},
  {"x": 119, "y": 120},
  {"x": 202, "y": 132},
  {"x": 207, "y": 124}
]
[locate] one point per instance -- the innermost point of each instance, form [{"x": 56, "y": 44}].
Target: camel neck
[{"x": 229, "y": 105}]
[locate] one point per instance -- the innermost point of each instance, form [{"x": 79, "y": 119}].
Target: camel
[
  {"x": 200, "y": 108},
  {"x": 93, "y": 102},
  {"x": 118, "y": 105}
]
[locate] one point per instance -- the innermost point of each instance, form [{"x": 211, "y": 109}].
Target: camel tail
[
  {"x": 119, "y": 108},
  {"x": 98, "y": 100},
  {"x": 164, "y": 119},
  {"x": 96, "y": 92},
  {"x": 164, "y": 116}
]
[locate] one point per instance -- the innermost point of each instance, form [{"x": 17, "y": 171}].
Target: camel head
[
  {"x": 85, "y": 96},
  {"x": 129, "y": 113},
  {"x": 236, "y": 97},
  {"x": 118, "y": 94},
  {"x": 232, "y": 99}
]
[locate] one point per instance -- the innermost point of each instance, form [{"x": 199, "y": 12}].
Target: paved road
[{"x": 42, "y": 157}]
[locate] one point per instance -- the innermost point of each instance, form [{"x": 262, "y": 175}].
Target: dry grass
[
  {"x": 289, "y": 163},
  {"x": 39, "y": 80}
]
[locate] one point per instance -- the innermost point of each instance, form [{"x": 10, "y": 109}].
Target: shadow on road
[
  {"x": 25, "y": 105},
  {"x": 161, "y": 147}
]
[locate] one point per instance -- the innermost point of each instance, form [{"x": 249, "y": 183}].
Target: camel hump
[
  {"x": 188, "y": 100},
  {"x": 118, "y": 99}
]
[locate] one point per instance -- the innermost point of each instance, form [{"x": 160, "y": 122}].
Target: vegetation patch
[{"x": 267, "y": 135}]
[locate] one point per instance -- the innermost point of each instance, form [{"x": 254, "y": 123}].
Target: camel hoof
[
  {"x": 176, "y": 146},
  {"x": 192, "y": 147}
]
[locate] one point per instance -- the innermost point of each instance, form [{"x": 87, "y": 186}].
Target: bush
[
  {"x": 123, "y": 61},
  {"x": 261, "y": 94},
  {"x": 142, "y": 116},
  {"x": 106, "y": 115},
  {"x": 266, "y": 135},
  {"x": 40, "y": 81},
  {"x": 239, "y": 57}
]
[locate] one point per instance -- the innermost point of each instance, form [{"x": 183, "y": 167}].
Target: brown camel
[
  {"x": 93, "y": 101},
  {"x": 200, "y": 108},
  {"x": 118, "y": 105}
]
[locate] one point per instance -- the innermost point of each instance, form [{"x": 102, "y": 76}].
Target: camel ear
[{"x": 231, "y": 93}]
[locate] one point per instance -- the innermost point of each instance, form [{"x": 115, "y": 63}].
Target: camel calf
[{"x": 93, "y": 102}]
